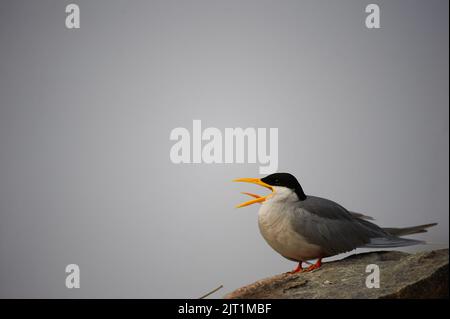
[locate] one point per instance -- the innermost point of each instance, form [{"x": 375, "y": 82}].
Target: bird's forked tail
[
  {"x": 408, "y": 230},
  {"x": 394, "y": 240}
]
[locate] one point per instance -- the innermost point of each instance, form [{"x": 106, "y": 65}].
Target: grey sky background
[{"x": 85, "y": 118}]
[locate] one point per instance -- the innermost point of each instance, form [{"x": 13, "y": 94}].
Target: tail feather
[
  {"x": 408, "y": 230},
  {"x": 385, "y": 242}
]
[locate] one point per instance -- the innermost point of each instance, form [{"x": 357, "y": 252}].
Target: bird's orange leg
[
  {"x": 315, "y": 266},
  {"x": 299, "y": 268}
]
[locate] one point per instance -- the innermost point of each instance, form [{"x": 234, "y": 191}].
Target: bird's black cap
[{"x": 285, "y": 180}]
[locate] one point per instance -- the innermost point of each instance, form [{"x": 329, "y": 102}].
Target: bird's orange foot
[
  {"x": 315, "y": 266},
  {"x": 297, "y": 269}
]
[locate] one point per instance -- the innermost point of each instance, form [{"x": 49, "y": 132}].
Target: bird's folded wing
[
  {"x": 361, "y": 216},
  {"x": 327, "y": 224}
]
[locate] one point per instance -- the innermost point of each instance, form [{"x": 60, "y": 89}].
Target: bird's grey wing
[
  {"x": 361, "y": 216},
  {"x": 327, "y": 224}
]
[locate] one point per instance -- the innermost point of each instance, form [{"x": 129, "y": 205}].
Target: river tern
[{"x": 302, "y": 227}]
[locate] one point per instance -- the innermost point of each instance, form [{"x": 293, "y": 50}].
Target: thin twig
[{"x": 211, "y": 292}]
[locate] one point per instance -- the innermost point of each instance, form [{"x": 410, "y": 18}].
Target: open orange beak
[{"x": 258, "y": 199}]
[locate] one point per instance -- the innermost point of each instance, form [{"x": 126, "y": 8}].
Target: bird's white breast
[{"x": 275, "y": 223}]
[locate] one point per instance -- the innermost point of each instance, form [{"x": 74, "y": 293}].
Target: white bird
[{"x": 302, "y": 227}]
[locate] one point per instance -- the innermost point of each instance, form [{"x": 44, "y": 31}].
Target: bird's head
[{"x": 272, "y": 182}]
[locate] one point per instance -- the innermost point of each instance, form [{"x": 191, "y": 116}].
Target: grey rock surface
[{"x": 402, "y": 275}]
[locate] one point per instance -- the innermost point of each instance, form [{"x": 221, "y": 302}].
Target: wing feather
[{"x": 329, "y": 225}]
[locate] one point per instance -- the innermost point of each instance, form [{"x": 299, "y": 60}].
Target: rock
[{"x": 402, "y": 275}]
